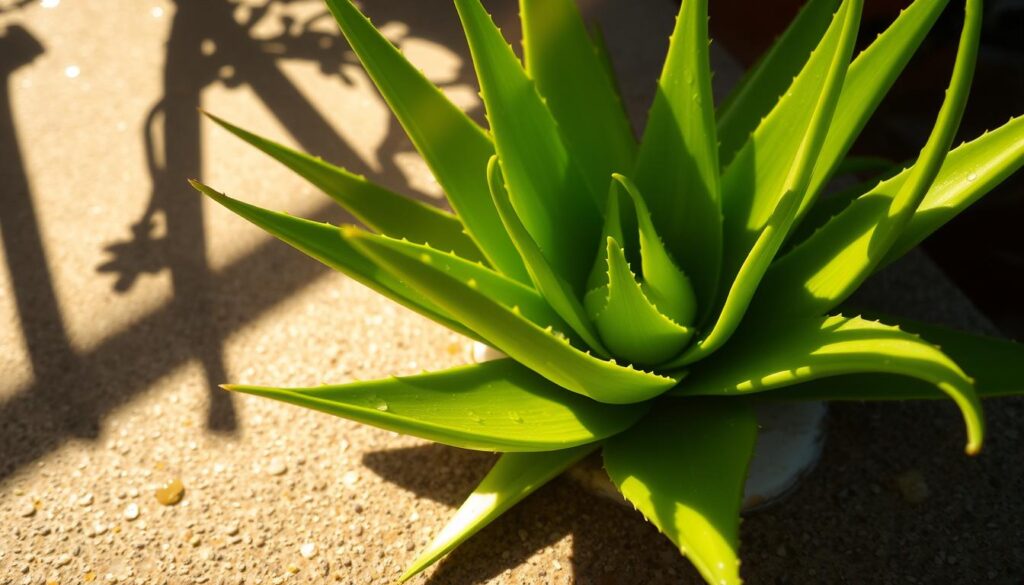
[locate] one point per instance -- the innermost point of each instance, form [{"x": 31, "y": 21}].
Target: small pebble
[
  {"x": 170, "y": 493},
  {"x": 131, "y": 511},
  {"x": 231, "y": 529},
  {"x": 293, "y": 569},
  {"x": 308, "y": 550},
  {"x": 62, "y": 560},
  {"x": 85, "y": 500},
  {"x": 26, "y": 509},
  {"x": 276, "y": 467},
  {"x": 350, "y": 478}
]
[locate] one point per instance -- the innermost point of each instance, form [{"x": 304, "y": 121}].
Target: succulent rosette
[{"x": 646, "y": 292}]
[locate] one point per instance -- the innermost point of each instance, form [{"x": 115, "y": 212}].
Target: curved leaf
[
  {"x": 763, "y": 84},
  {"x": 453, "y": 146},
  {"x": 826, "y": 67},
  {"x": 799, "y": 350},
  {"x": 493, "y": 406},
  {"x": 538, "y": 349},
  {"x": 677, "y": 167},
  {"x": 549, "y": 194},
  {"x": 320, "y": 241},
  {"x": 968, "y": 173},
  {"x": 664, "y": 283},
  {"x": 683, "y": 466},
  {"x": 756, "y": 178},
  {"x": 871, "y": 75},
  {"x": 553, "y": 288},
  {"x": 556, "y": 48},
  {"x": 630, "y": 325},
  {"x": 513, "y": 477},
  {"x": 995, "y": 365},
  {"x": 382, "y": 210},
  {"x": 824, "y": 270}
]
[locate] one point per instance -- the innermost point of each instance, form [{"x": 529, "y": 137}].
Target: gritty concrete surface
[{"x": 125, "y": 299}]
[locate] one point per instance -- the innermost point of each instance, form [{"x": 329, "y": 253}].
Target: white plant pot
[{"x": 790, "y": 439}]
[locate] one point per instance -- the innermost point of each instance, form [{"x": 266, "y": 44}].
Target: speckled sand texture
[{"x": 113, "y": 337}]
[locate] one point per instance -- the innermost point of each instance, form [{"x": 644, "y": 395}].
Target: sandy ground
[{"x": 126, "y": 299}]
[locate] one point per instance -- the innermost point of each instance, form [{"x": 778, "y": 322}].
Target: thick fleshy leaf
[
  {"x": 553, "y": 288},
  {"x": 995, "y": 365},
  {"x": 756, "y": 178},
  {"x": 968, "y": 173},
  {"x": 664, "y": 283},
  {"x": 547, "y": 190},
  {"x": 683, "y": 467},
  {"x": 821, "y": 79},
  {"x": 556, "y": 48},
  {"x": 870, "y": 76},
  {"x": 763, "y": 84},
  {"x": 785, "y": 353},
  {"x": 320, "y": 241},
  {"x": 630, "y": 324},
  {"x": 502, "y": 289},
  {"x": 540, "y": 350},
  {"x": 453, "y": 146},
  {"x": 828, "y": 267},
  {"x": 493, "y": 406},
  {"x": 513, "y": 477},
  {"x": 677, "y": 167},
  {"x": 382, "y": 210}
]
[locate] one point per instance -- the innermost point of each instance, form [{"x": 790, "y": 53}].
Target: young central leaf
[{"x": 630, "y": 325}]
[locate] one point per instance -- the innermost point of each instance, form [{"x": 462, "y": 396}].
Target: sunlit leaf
[
  {"x": 683, "y": 466},
  {"x": 558, "y": 293},
  {"x": 629, "y": 322},
  {"x": 513, "y": 477},
  {"x": 794, "y": 351},
  {"x": 321, "y": 242},
  {"x": 538, "y": 349},
  {"x": 546, "y": 187},
  {"x": 829, "y": 266},
  {"x": 493, "y": 406},
  {"x": 380, "y": 209},
  {"x": 677, "y": 167},
  {"x": 453, "y": 146},
  {"x": 556, "y": 47},
  {"x": 826, "y": 69}
]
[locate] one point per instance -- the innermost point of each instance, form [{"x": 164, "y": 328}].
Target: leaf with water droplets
[{"x": 468, "y": 407}]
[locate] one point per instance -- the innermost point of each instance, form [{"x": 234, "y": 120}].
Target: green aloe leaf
[
  {"x": 629, "y": 323},
  {"x": 683, "y": 466},
  {"x": 382, "y": 210},
  {"x": 541, "y": 350},
  {"x": 763, "y": 84},
  {"x": 870, "y": 76},
  {"x": 494, "y": 406},
  {"x": 513, "y": 477},
  {"x": 677, "y": 167},
  {"x": 547, "y": 189},
  {"x": 605, "y": 57},
  {"x": 780, "y": 149},
  {"x": 821, "y": 79},
  {"x": 553, "y": 288},
  {"x": 320, "y": 241},
  {"x": 509, "y": 293},
  {"x": 556, "y": 47},
  {"x": 822, "y": 272},
  {"x": 453, "y": 146},
  {"x": 785, "y": 353},
  {"x": 968, "y": 173},
  {"x": 994, "y": 365}
]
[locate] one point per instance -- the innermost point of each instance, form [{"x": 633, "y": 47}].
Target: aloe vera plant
[{"x": 646, "y": 292}]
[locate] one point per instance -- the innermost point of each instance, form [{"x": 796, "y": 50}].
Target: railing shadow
[{"x": 71, "y": 393}]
